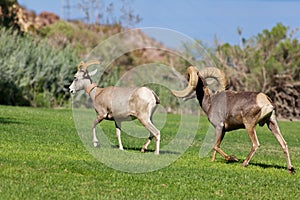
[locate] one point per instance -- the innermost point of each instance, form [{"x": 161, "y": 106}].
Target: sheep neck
[
  {"x": 204, "y": 99},
  {"x": 90, "y": 90},
  {"x": 206, "y": 103},
  {"x": 203, "y": 95}
]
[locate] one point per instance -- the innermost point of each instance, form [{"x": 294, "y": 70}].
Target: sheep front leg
[
  {"x": 255, "y": 144},
  {"x": 94, "y": 137},
  {"x": 219, "y": 135},
  {"x": 118, "y": 133}
]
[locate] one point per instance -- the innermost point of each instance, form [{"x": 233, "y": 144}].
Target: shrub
[{"x": 38, "y": 73}]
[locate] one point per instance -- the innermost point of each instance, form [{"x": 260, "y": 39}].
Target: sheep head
[{"x": 82, "y": 78}]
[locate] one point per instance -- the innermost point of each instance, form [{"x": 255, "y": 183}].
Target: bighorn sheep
[
  {"x": 227, "y": 110},
  {"x": 118, "y": 104}
]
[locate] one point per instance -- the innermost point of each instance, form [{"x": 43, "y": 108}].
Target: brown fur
[{"x": 228, "y": 110}]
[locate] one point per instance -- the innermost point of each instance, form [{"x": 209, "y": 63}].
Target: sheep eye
[{"x": 75, "y": 78}]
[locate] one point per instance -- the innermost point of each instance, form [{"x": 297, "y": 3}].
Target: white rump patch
[{"x": 264, "y": 103}]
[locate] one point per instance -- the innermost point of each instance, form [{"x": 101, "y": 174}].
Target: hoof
[
  {"x": 232, "y": 159},
  {"x": 121, "y": 148},
  {"x": 96, "y": 144},
  {"x": 244, "y": 165},
  {"x": 292, "y": 170},
  {"x": 156, "y": 153},
  {"x": 143, "y": 150}
]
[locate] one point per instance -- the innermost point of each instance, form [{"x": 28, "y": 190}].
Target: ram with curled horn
[
  {"x": 118, "y": 104},
  {"x": 228, "y": 110}
]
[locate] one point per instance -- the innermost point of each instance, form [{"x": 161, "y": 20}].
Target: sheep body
[
  {"x": 228, "y": 110},
  {"x": 241, "y": 105},
  {"x": 118, "y": 104},
  {"x": 125, "y": 103}
]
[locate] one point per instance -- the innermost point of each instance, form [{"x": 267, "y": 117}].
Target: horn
[
  {"x": 92, "y": 62},
  {"x": 84, "y": 66},
  {"x": 81, "y": 64},
  {"x": 215, "y": 73},
  {"x": 193, "y": 81}
]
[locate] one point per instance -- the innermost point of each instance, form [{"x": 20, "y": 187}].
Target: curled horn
[
  {"x": 80, "y": 65},
  {"x": 84, "y": 66},
  {"x": 194, "y": 74},
  {"x": 193, "y": 81},
  {"x": 214, "y": 73}
]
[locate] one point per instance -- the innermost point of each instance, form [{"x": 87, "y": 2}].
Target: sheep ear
[{"x": 92, "y": 73}]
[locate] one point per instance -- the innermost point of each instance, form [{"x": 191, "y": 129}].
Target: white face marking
[{"x": 77, "y": 83}]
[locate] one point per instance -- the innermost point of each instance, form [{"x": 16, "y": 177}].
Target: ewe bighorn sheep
[
  {"x": 227, "y": 110},
  {"x": 118, "y": 104}
]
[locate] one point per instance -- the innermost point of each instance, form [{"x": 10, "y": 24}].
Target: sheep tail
[{"x": 157, "y": 100}]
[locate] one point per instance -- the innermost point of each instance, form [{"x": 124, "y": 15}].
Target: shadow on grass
[
  {"x": 262, "y": 165},
  {"x": 265, "y": 166},
  {"x": 148, "y": 150},
  {"x": 4, "y": 120}
]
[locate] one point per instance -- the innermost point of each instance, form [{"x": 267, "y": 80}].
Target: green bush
[
  {"x": 37, "y": 73},
  {"x": 11, "y": 94}
]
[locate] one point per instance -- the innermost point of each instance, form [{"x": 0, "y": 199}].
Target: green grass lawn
[{"x": 43, "y": 157}]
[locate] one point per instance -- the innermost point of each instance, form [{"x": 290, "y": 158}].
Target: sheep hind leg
[
  {"x": 145, "y": 146},
  {"x": 94, "y": 137},
  {"x": 154, "y": 132},
  {"x": 118, "y": 134},
  {"x": 273, "y": 126}
]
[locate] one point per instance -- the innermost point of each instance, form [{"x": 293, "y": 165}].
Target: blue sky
[{"x": 200, "y": 19}]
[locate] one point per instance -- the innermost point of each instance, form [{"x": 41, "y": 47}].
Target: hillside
[{"x": 267, "y": 62}]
